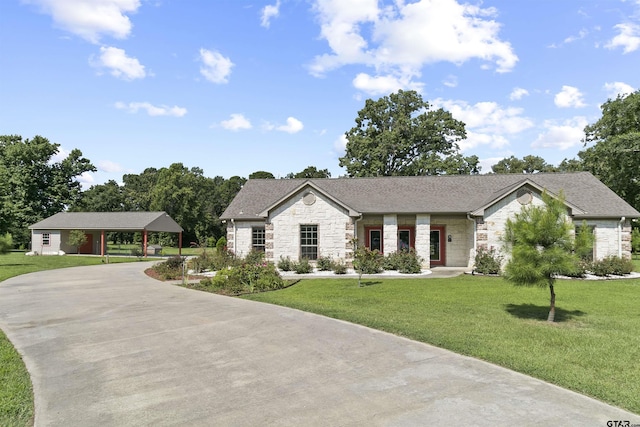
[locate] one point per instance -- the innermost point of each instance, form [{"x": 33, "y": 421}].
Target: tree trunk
[{"x": 552, "y": 308}]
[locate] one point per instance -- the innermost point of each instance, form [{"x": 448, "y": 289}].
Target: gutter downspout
[
  {"x": 623, "y": 219},
  {"x": 235, "y": 243}
]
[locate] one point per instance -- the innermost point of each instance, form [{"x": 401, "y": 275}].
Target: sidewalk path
[{"x": 107, "y": 346}]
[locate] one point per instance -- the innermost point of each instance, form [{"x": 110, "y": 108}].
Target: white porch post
[
  {"x": 390, "y": 231},
  {"x": 423, "y": 238}
]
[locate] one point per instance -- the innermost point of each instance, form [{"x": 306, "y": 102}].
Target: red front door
[{"x": 438, "y": 250}]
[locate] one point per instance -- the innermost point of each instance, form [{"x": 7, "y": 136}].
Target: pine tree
[{"x": 540, "y": 241}]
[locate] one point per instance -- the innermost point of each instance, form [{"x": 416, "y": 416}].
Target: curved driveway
[{"x": 107, "y": 346}]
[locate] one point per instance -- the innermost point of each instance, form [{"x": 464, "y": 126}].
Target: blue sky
[{"x": 237, "y": 86}]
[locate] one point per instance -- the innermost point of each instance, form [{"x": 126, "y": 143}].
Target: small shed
[{"x": 50, "y": 236}]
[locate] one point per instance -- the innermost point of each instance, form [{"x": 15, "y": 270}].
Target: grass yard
[
  {"x": 592, "y": 348},
  {"x": 16, "y": 394},
  {"x": 166, "y": 250}
]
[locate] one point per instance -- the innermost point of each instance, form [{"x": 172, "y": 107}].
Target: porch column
[
  {"x": 423, "y": 238},
  {"x": 180, "y": 243},
  {"x": 390, "y": 231},
  {"x": 101, "y": 242},
  {"x": 144, "y": 242}
]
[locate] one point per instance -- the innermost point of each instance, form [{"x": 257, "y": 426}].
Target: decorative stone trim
[
  {"x": 268, "y": 227},
  {"x": 349, "y": 226}
]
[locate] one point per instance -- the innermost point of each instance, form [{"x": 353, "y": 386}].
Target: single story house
[
  {"x": 51, "y": 235},
  {"x": 444, "y": 218}
]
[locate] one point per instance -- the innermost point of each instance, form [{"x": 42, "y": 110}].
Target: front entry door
[{"x": 437, "y": 245}]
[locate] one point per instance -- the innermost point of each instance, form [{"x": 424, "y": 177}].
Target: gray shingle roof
[
  {"x": 431, "y": 194},
  {"x": 112, "y": 221}
]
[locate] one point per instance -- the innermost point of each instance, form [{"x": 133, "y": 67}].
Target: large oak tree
[{"x": 400, "y": 134}]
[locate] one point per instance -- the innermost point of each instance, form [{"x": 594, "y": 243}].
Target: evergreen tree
[{"x": 540, "y": 242}]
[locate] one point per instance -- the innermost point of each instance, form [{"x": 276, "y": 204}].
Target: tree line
[{"x": 399, "y": 134}]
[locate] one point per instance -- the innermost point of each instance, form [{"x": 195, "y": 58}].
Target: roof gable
[
  {"x": 525, "y": 183},
  {"x": 306, "y": 184}
]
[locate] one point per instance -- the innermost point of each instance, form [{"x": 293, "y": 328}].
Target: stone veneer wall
[
  {"x": 459, "y": 252},
  {"x": 607, "y": 237},
  {"x": 332, "y": 221}
]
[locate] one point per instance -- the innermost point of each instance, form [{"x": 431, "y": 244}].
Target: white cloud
[
  {"x": 399, "y": 39},
  {"x": 618, "y": 88},
  {"x": 59, "y": 156},
  {"x": 569, "y": 96},
  {"x": 215, "y": 67},
  {"x": 451, "y": 81},
  {"x": 384, "y": 85},
  {"x": 581, "y": 34},
  {"x": 119, "y": 64},
  {"x": 152, "y": 110},
  {"x": 518, "y": 93},
  {"x": 90, "y": 19},
  {"x": 628, "y": 38},
  {"x": 236, "y": 122},
  {"x": 293, "y": 126},
  {"x": 340, "y": 145},
  {"x": 86, "y": 180},
  {"x": 269, "y": 12},
  {"x": 487, "y": 123},
  {"x": 109, "y": 166},
  {"x": 561, "y": 135}
]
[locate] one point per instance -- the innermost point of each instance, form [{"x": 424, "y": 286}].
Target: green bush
[
  {"x": 339, "y": 267},
  {"x": 302, "y": 267},
  {"x": 254, "y": 257},
  {"x": 635, "y": 240},
  {"x": 404, "y": 261},
  {"x": 487, "y": 261},
  {"x": 6, "y": 244},
  {"x": 367, "y": 261},
  {"x": 221, "y": 244},
  {"x": 612, "y": 265},
  {"x": 285, "y": 264},
  {"x": 245, "y": 278},
  {"x": 325, "y": 263},
  {"x": 171, "y": 269}
]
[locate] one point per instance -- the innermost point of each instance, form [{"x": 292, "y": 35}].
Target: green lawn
[
  {"x": 166, "y": 250},
  {"x": 593, "y": 348},
  {"x": 16, "y": 394}
]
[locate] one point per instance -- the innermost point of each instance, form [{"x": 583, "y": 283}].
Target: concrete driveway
[{"x": 107, "y": 346}]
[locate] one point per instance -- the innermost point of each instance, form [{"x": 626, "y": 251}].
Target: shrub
[
  {"x": 221, "y": 244},
  {"x": 6, "y": 244},
  {"x": 285, "y": 264},
  {"x": 245, "y": 278},
  {"x": 339, "y": 267},
  {"x": 367, "y": 261},
  {"x": 171, "y": 269},
  {"x": 612, "y": 265},
  {"x": 635, "y": 240},
  {"x": 404, "y": 261},
  {"x": 137, "y": 252},
  {"x": 325, "y": 263},
  {"x": 487, "y": 261},
  {"x": 302, "y": 267},
  {"x": 254, "y": 257}
]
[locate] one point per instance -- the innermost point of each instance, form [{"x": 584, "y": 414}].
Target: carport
[{"x": 47, "y": 236}]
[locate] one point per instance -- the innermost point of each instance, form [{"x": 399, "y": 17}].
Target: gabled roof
[
  {"x": 305, "y": 185},
  {"x": 525, "y": 183},
  {"x": 111, "y": 221},
  {"x": 449, "y": 194}
]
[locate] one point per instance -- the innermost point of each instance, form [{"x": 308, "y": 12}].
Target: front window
[
  {"x": 309, "y": 242},
  {"x": 257, "y": 239},
  {"x": 46, "y": 239},
  {"x": 373, "y": 238}
]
